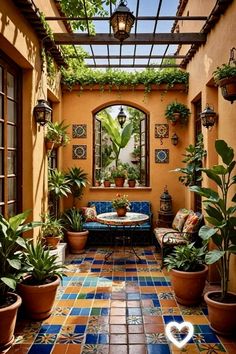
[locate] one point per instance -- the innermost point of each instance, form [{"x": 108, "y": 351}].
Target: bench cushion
[{"x": 171, "y": 236}]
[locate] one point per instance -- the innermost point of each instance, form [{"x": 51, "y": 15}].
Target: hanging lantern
[
  {"x": 174, "y": 139},
  {"x": 42, "y": 112},
  {"x": 121, "y": 117},
  {"x": 165, "y": 202},
  {"x": 122, "y": 21},
  {"x": 208, "y": 117}
]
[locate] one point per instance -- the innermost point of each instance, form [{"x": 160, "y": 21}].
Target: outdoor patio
[{"x": 119, "y": 306}]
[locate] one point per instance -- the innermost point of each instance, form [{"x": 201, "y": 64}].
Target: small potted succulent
[
  {"x": 52, "y": 231},
  {"x": 121, "y": 204},
  {"x": 119, "y": 174},
  {"x": 225, "y": 77},
  {"x": 132, "y": 176},
  {"x": 76, "y": 236},
  {"x": 176, "y": 111}
]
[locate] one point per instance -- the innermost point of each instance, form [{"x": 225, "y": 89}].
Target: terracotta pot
[
  {"x": 52, "y": 241},
  {"x": 107, "y": 183},
  {"x": 228, "y": 88},
  {"x": 188, "y": 286},
  {"x": 97, "y": 183},
  {"x": 131, "y": 182},
  {"x": 119, "y": 181},
  {"x": 77, "y": 240},
  {"x": 8, "y": 321},
  {"x": 222, "y": 316},
  {"x": 38, "y": 300},
  {"x": 121, "y": 211}
]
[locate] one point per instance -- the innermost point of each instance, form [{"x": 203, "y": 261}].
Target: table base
[{"x": 124, "y": 240}]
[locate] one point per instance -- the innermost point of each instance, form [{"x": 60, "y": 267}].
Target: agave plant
[
  {"x": 77, "y": 180},
  {"x": 73, "y": 220}
]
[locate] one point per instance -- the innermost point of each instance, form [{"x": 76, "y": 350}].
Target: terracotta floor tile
[
  {"x": 154, "y": 328},
  {"x": 136, "y": 338},
  {"x": 133, "y": 303},
  {"x": 116, "y": 329},
  {"x": 73, "y": 349},
  {"x": 101, "y": 303},
  {"x": 118, "y": 349},
  {"x": 230, "y": 348},
  {"x": 200, "y": 319},
  {"x": 59, "y": 349},
  {"x": 137, "y": 349},
  {"x": 118, "y": 296},
  {"x": 118, "y": 311},
  {"x": 19, "y": 349},
  {"x": 153, "y": 319},
  {"x": 118, "y": 339},
  {"x": 169, "y": 303},
  {"x": 76, "y": 320},
  {"x": 148, "y": 289},
  {"x": 117, "y": 319},
  {"x": 135, "y": 328},
  {"x": 66, "y": 303},
  {"x": 118, "y": 303},
  {"x": 82, "y": 303}
]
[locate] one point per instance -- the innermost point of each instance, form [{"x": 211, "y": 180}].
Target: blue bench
[{"x": 98, "y": 233}]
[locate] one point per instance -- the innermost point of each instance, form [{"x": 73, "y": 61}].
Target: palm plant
[
  {"x": 58, "y": 185},
  {"x": 77, "y": 179}
]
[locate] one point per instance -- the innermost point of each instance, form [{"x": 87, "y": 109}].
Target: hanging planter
[
  {"x": 177, "y": 112},
  {"x": 225, "y": 77}
]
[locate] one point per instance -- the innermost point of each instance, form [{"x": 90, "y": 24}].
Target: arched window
[{"x": 121, "y": 137}]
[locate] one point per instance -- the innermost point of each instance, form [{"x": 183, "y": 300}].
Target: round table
[{"x": 128, "y": 224}]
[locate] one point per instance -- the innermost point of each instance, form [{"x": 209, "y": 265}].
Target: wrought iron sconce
[
  {"x": 122, "y": 21},
  {"x": 42, "y": 112},
  {"x": 208, "y": 117},
  {"x": 174, "y": 139},
  {"x": 121, "y": 117}
]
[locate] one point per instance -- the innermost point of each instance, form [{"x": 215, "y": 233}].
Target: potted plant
[
  {"x": 136, "y": 155},
  {"x": 225, "y": 77},
  {"x": 52, "y": 231},
  {"x": 176, "y": 111},
  {"x": 39, "y": 285},
  {"x": 132, "y": 176},
  {"x": 121, "y": 203},
  {"x": 76, "y": 236},
  {"x": 56, "y": 135},
  {"x": 220, "y": 208},
  {"x": 59, "y": 186},
  {"x": 10, "y": 271},
  {"x": 77, "y": 179},
  {"x": 119, "y": 175},
  {"x": 188, "y": 273},
  {"x": 107, "y": 179}
]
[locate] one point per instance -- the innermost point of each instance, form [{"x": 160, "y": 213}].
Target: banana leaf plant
[{"x": 220, "y": 208}]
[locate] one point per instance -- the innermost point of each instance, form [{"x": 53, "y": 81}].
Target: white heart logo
[{"x": 172, "y": 325}]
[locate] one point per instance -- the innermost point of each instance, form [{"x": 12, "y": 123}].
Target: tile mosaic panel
[
  {"x": 162, "y": 155},
  {"x": 79, "y": 130},
  {"x": 79, "y": 152},
  {"x": 161, "y": 131}
]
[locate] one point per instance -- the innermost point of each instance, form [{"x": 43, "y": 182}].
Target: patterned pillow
[
  {"x": 90, "y": 213},
  {"x": 180, "y": 218},
  {"x": 192, "y": 223}
]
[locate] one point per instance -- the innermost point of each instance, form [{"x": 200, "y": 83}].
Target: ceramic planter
[
  {"x": 107, "y": 183},
  {"x": 77, "y": 240},
  {"x": 228, "y": 88},
  {"x": 121, "y": 211},
  {"x": 119, "y": 181},
  {"x": 132, "y": 182},
  {"x": 38, "y": 300},
  {"x": 222, "y": 316},
  {"x": 52, "y": 241},
  {"x": 188, "y": 286},
  {"x": 8, "y": 321}
]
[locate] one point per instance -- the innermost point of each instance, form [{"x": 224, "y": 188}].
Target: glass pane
[
  {"x": 11, "y": 111},
  {"x": 11, "y": 162},
  {"x": 11, "y": 182},
  {"x": 10, "y": 85},
  {"x": 1, "y": 78},
  {"x": 1, "y": 134},
  {"x": 1, "y": 162},
  {"x": 11, "y": 136},
  {"x": 2, "y": 209},
  {"x": 1, "y": 189},
  {"x": 11, "y": 209},
  {"x": 1, "y": 107}
]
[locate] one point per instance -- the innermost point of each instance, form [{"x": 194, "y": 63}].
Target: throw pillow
[
  {"x": 180, "y": 218},
  {"x": 192, "y": 223},
  {"x": 89, "y": 213}
]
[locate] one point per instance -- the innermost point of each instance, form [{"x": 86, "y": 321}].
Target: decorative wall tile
[
  {"x": 79, "y": 130},
  {"x": 79, "y": 152},
  {"x": 161, "y": 131},
  {"x": 162, "y": 155}
]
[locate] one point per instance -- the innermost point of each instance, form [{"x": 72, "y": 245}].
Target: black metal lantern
[
  {"x": 165, "y": 201},
  {"x": 174, "y": 139},
  {"x": 121, "y": 117},
  {"x": 42, "y": 112},
  {"x": 122, "y": 21},
  {"x": 208, "y": 117}
]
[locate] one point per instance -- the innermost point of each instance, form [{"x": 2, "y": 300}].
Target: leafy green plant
[
  {"x": 77, "y": 179},
  {"x": 177, "y": 107},
  {"x": 73, "y": 220},
  {"x": 56, "y": 132},
  {"x": 58, "y": 185},
  {"x": 186, "y": 258},
  {"x": 193, "y": 162},
  {"x": 119, "y": 172},
  {"x": 225, "y": 71},
  {"x": 40, "y": 265},
  {"x": 107, "y": 176},
  {"x": 10, "y": 244},
  {"x": 220, "y": 208},
  {"x": 132, "y": 174},
  {"x": 120, "y": 201},
  {"x": 51, "y": 226}
]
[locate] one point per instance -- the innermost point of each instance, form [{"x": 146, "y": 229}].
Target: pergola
[{"x": 105, "y": 51}]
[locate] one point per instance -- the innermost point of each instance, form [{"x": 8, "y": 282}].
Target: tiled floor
[{"x": 120, "y": 306}]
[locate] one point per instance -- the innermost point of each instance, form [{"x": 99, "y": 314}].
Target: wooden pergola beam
[{"x": 141, "y": 38}]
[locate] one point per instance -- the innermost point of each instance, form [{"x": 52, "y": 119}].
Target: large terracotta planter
[
  {"x": 119, "y": 181},
  {"x": 38, "y": 300},
  {"x": 8, "y": 321},
  {"x": 228, "y": 88},
  {"x": 188, "y": 286},
  {"x": 121, "y": 211},
  {"x": 222, "y": 316},
  {"x": 77, "y": 240},
  {"x": 52, "y": 241}
]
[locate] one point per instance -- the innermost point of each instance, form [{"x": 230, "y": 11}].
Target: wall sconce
[
  {"x": 42, "y": 112},
  {"x": 122, "y": 21},
  {"x": 121, "y": 117},
  {"x": 174, "y": 139},
  {"x": 208, "y": 117}
]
